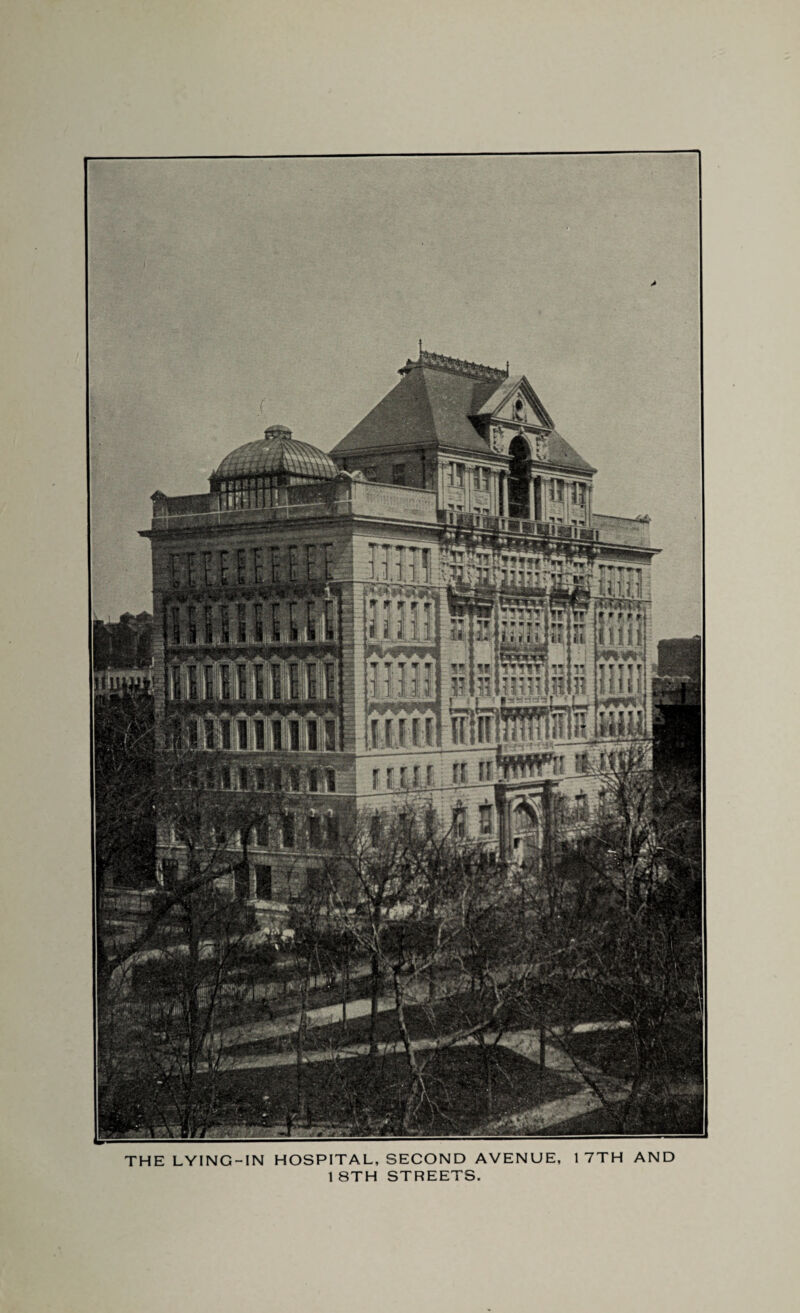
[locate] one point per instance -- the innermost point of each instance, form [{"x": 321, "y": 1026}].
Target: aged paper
[{"x": 83, "y": 1230}]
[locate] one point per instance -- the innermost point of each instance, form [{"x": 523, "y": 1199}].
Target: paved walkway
[{"x": 529, "y": 1121}]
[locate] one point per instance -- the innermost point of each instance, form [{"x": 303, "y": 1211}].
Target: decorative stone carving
[{"x": 498, "y": 441}]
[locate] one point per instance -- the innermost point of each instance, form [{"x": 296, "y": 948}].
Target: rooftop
[{"x": 276, "y": 453}]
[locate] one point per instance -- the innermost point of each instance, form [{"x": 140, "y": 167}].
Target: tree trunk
[
  {"x": 375, "y": 993},
  {"x": 417, "y": 1087},
  {"x": 301, "y": 1040},
  {"x": 189, "y": 1118}
]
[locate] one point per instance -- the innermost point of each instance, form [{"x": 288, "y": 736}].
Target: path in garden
[{"x": 529, "y": 1121}]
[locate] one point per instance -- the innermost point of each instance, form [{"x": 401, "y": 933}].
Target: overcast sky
[{"x": 226, "y": 295}]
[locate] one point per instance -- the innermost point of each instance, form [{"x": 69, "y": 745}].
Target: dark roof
[
  {"x": 559, "y": 452},
  {"x": 428, "y": 407},
  {"x": 431, "y": 407},
  {"x": 276, "y": 453}
]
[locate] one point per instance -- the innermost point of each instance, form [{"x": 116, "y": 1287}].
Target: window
[
  {"x": 328, "y": 550},
  {"x": 208, "y": 568},
  {"x": 398, "y": 474},
  {"x": 429, "y": 737},
  {"x": 208, "y": 733},
  {"x": 263, "y": 882},
  {"x": 579, "y": 678},
  {"x": 294, "y": 681},
  {"x": 330, "y": 735},
  {"x": 258, "y": 564},
  {"x": 225, "y": 682},
  {"x": 311, "y": 735},
  {"x": 390, "y": 778},
  {"x": 287, "y": 830},
  {"x": 579, "y": 627},
  {"x": 374, "y": 734},
  {"x": 292, "y": 563},
  {"x": 275, "y": 563},
  {"x": 426, "y": 620},
  {"x": 276, "y": 737},
  {"x": 294, "y": 632},
  {"x": 176, "y": 624},
  {"x": 580, "y": 724},
  {"x": 241, "y": 566},
  {"x": 376, "y": 779},
  {"x": 427, "y": 680},
  {"x": 258, "y": 622},
  {"x": 459, "y": 822},
  {"x": 192, "y": 676},
  {"x": 294, "y": 735},
  {"x": 314, "y": 831},
  {"x": 261, "y": 775},
  {"x": 401, "y": 620},
  {"x": 225, "y": 734},
  {"x": 223, "y": 567},
  {"x": 313, "y": 781},
  {"x": 557, "y": 626},
  {"x": 329, "y": 625},
  {"x": 241, "y": 682},
  {"x": 258, "y": 726},
  {"x": 457, "y": 623},
  {"x": 330, "y": 680},
  {"x": 426, "y": 565},
  {"x": 311, "y": 561},
  {"x": 241, "y": 622},
  {"x": 485, "y": 821},
  {"x": 243, "y": 779},
  {"x": 224, "y": 625},
  {"x": 458, "y": 727},
  {"x": 384, "y": 562},
  {"x": 429, "y": 775}
]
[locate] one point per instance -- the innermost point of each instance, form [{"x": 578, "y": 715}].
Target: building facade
[{"x": 433, "y": 615}]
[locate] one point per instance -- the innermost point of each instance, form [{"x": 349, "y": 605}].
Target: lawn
[{"x": 363, "y": 1098}]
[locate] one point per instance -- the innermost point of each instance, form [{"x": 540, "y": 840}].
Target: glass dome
[{"x": 252, "y": 474}]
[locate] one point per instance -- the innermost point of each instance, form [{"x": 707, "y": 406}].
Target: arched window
[{"x": 519, "y": 479}]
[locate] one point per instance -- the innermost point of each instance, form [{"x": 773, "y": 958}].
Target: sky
[{"x": 226, "y": 295}]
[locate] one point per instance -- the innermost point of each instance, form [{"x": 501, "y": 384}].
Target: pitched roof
[
  {"x": 428, "y": 407},
  {"x": 431, "y": 407}
]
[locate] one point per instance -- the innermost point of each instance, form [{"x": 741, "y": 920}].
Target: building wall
[{"x": 526, "y": 621}]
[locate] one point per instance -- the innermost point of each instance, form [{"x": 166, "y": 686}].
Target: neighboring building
[
  {"x": 432, "y": 615},
  {"x": 680, "y": 658},
  {"x": 122, "y": 656},
  {"x": 116, "y": 683},
  {"x": 677, "y": 699}
]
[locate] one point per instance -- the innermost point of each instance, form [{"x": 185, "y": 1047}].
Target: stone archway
[{"x": 525, "y": 833}]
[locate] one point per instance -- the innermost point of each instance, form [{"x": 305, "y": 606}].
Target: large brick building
[{"x": 432, "y": 614}]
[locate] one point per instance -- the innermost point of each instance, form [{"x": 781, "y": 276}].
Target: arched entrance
[
  {"x": 524, "y": 833},
  {"x": 519, "y": 494}
]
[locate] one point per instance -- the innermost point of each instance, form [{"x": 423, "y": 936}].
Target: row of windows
[
  {"x": 246, "y": 681},
  {"x": 399, "y": 619},
  {"x": 401, "y": 679},
  {"x": 253, "y": 565},
  {"x": 519, "y": 729},
  {"x": 275, "y": 622},
  {"x": 405, "y": 777},
  {"x": 254, "y": 735},
  {"x": 620, "y": 628},
  {"x": 620, "y": 581},
  {"x": 620, "y": 678},
  {"x": 259, "y": 779},
  {"x": 620, "y": 723},
  {"x": 402, "y": 732},
  {"x": 402, "y": 564},
  {"x": 526, "y": 625}
]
